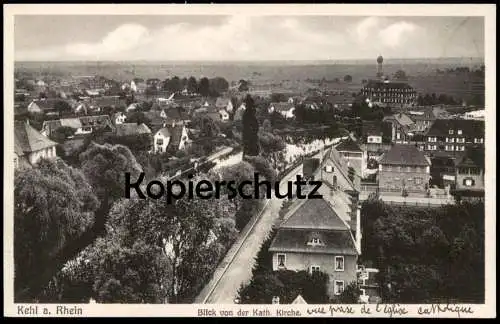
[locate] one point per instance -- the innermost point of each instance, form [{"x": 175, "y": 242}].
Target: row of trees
[
  {"x": 204, "y": 86},
  {"x": 72, "y": 222},
  {"x": 426, "y": 254}
]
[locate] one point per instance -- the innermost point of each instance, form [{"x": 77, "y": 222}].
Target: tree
[
  {"x": 138, "y": 117},
  {"x": 204, "y": 87},
  {"x": 243, "y": 86},
  {"x": 62, "y": 107},
  {"x": 192, "y": 85},
  {"x": 194, "y": 233},
  {"x": 218, "y": 85},
  {"x": 250, "y": 128},
  {"x": 347, "y": 78},
  {"x": 53, "y": 204},
  {"x": 272, "y": 147},
  {"x": 60, "y": 134}
]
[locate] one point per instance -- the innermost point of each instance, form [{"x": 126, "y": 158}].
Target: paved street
[{"x": 236, "y": 268}]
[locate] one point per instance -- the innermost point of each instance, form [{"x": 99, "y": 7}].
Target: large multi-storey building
[
  {"x": 451, "y": 137},
  {"x": 390, "y": 93}
]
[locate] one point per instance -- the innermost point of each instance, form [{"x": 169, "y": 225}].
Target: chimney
[
  {"x": 27, "y": 121},
  {"x": 355, "y": 223}
]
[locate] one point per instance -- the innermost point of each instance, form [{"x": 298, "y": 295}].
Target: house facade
[
  {"x": 43, "y": 106},
  {"x": 314, "y": 238},
  {"x": 224, "y": 103},
  {"x": 30, "y": 146},
  {"x": 387, "y": 93},
  {"x": 81, "y": 125},
  {"x": 354, "y": 155},
  {"x": 423, "y": 120},
  {"x": 170, "y": 138},
  {"x": 452, "y": 137},
  {"x": 402, "y": 128},
  {"x": 470, "y": 171},
  {"x": 404, "y": 167}
]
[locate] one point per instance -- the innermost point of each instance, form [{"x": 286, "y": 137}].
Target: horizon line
[{"x": 250, "y": 60}]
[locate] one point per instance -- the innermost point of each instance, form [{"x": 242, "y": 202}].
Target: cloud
[
  {"x": 395, "y": 34},
  {"x": 365, "y": 28}
]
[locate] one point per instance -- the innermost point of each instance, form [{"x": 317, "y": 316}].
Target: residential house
[
  {"x": 404, "y": 167},
  {"x": 423, "y": 120},
  {"x": 81, "y": 125},
  {"x": 451, "y": 137},
  {"x": 175, "y": 115},
  {"x": 43, "y": 106},
  {"x": 238, "y": 114},
  {"x": 171, "y": 138},
  {"x": 130, "y": 129},
  {"x": 286, "y": 109},
  {"x": 224, "y": 104},
  {"x": 470, "y": 171},
  {"x": 106, "y": 102},
  {"x": 314, "y": 238},
  {"x": 373, "y": 133},
  {"x": 119, "y": 118},
  {"x": 30, "y": 146},
  {"x": 403, "y": 127},
  {"x": 354, "y": 155}
]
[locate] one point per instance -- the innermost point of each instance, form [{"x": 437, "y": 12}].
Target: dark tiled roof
[
  {"x": 295, "y": 240},
  {"x": 127, "y": 129},
  {"x": 28, "y": 139},
  {"x": 377, "y": 84},
  {"x": 314, "y": 214},
  {"x": 341, "y": 165},
  {"x": 102, "y": 120},
  {"x": 348, "y": 146},
  {"x": 473, "y": 157},
  {"x": 404, "y": 154},
  {"x": 470, "y": 128},
  {"x": 176, "y": 113},
  {"x": 222, "y": 102},
  {"x": 164, "y": 131},
  {"x": 426, "y": 115},
  {"x": 47, "y": 104}
]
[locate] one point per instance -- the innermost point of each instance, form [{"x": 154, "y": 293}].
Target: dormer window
[
  {"x": 329, "y": 169},
  {"x": 459, "y": 132},
  {"x": 315, "y": 240}
]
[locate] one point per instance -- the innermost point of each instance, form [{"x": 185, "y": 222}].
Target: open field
[{"x": 280, "y": 76}]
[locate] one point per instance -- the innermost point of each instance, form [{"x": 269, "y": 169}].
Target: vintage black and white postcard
[{"x": 250, "y": 160}]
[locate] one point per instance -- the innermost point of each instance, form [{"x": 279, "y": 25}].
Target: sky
[{"x": 234, "y": 38}]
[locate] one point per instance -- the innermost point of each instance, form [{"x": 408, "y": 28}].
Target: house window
[
  {"x": 474, "y": 171},
  {"x": 461, "y": 140},
  {"x": 459, "y": 132},
  {"x": 469, "y": 182},
  {"x": 370, "y": 139},
  {"x": 460, "y": 148},
  {"x": 314, "y": 269},
  {"x": 281, "y": 260},
  {"x": 339, "y": 287},
  {"x": 408, "y": 169},
  {"x": 418, "y": 181},
  {"x": 478, "y": 140},
  {"x": 339, "y": 263},
  {"x": 159, "y": 141},
  {"x": 432, "y": 139},
  {"x": 450, "y": 132},
  {"x": 449, "y": 147},
  {"x": 328, "y": 168}
]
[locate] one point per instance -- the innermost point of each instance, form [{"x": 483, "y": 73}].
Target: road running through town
[{"x": 236, "y": 267}]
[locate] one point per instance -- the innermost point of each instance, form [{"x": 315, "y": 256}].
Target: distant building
[
  {"x": 170, "y": 138},
  {"x": 30, "y": 146},
  {"x": 286, "y": 109},
  {"x": 423, "y": 120},
  {"x": 81, "y": 125},
  {"x": 44, "y": 106},
  {"x": 224, "y": 115},
  {"x": 451, "y": 137},
  {"x": 224, "y": 103},
  {"x": 475, "y": 115},
  {"x": 314, "y": 238},
  {"x": 119, "y": 118},
  {"x": 389, "y": 93},
  {"x": 403, "y": 128},
  {"x": 404, "y": 167},
  {"x": 130, "y": 129}
]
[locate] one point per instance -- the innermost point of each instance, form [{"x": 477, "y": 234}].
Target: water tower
[{"x": 380, "y": 60}]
